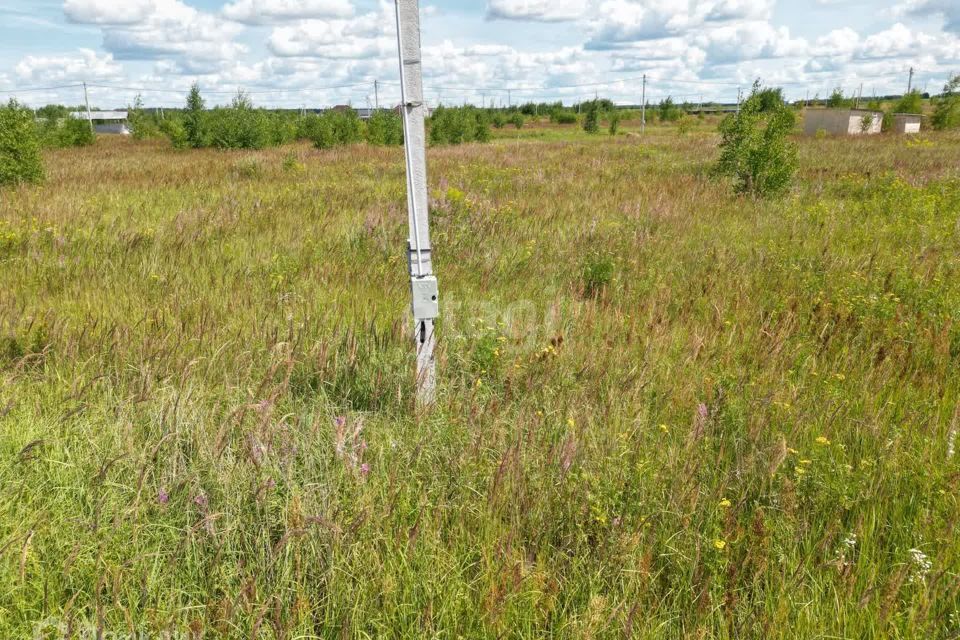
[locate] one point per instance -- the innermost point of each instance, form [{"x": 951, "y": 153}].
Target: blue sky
[{"x": 320, "y": 52}]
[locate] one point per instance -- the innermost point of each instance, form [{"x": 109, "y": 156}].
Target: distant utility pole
[
  {"x": 860, "y": 95},
  {"x": 376, "y": 94},
  {"x": 643, "y": 107},
  {"x": 423, "y": 284},
  {"x": 910, "y": 81},
  {"x": 86, "y": 98},
  {"x": 509, "y": 98},
  {"x": 739, "y": 98}
]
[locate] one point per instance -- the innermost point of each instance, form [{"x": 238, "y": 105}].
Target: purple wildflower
[{"x": 163, "y": 497}]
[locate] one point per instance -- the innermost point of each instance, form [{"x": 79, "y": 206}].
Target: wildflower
[
  {"x": 719, "y": 544},
  {"x": 163, "y": 497},
  {"x": 571, "y": 423},
  {"x": 365, "y": 469},
  {"x": 725, "y": 504},
  {"x": 664, "y": 428},
  {"x": 806, "y": 462},
  {"x": 201, "y": 501},
  {"x": 479, "y": 383},
  {"x": 840, "y": 377},
  {"x": 921, "y": 565},
  {"x": 823, "y": 440},
  {"x": 799, "y": 470}
]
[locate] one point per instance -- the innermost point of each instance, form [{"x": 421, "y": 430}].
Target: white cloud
[
  {"x": 366, "y": 36},
  {"x": 749, "y": 41},
  {"x": 272, "y": 11},
  {"x": 109, "y": 12},
  {"x": 625, "y": 21},
  {"x": 165, "y": 29},
  {"x": 949, "y": 10},
  {"x": 88, "y": 65},
  {"x": 536, "y": 10}
]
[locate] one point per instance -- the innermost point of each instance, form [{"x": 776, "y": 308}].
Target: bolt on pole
[{"x": 423, "y": 284}]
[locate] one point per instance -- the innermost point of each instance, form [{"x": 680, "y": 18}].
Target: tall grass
[{"x": 735, "y": 424}]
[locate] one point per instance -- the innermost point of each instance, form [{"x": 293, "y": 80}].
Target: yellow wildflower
[
  {"x": 719, "y": 544},
  {"x": 823, "y": 440},
  {"x": 725, "y": 504}
]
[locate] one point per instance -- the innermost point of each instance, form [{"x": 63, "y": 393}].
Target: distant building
[
  {"x": 907, "y": 123},
  {"x": 109, "y": 122},
  {"x": 842, "y": 122}
]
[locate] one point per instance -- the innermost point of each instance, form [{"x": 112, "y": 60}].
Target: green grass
[{"x": 206, "y": 405}]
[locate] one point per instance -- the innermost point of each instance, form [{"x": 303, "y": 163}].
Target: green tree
[
  {"x": 910, "y": 103},
  {"x": 837, "y": 100},
  {"x": 755, "y": 149},
  {"x": 385, "y": 128},
  {"x": 668, "y": 110},
  {"x": 946, "y": 115},
  {"x": 20, "y": 159},
  {"x": 591, "y": 123},
  {"x": 193, "y": 121},
  {"x": 614, "y": 122}
]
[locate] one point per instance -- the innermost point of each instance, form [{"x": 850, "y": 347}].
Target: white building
[
  {"x": 842, "y": 122},
  {"x": 105, "y": 121},
  {"x": 908, "y": 123}
]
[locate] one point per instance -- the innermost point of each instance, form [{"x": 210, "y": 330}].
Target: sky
[{"x": 316, "y": 53}]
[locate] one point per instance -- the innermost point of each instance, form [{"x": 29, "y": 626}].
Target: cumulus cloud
[
  {"x": 107, "y": 11},
  {"x": 88, "y": 65},
  {"x": 159, "y": 29},
  {"x": 271, "y": 11},
  {"x": 366, "y": 36},
  {"x": 536, "y": 10},
  {"x": 949, "y": 10},
  {"x": 625, "y": 21}
]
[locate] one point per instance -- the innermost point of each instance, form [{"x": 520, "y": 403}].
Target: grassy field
[{"x": 665, "y": 411}]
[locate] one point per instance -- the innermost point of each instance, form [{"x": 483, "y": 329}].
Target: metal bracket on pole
[{"x": 423, "y": 284}]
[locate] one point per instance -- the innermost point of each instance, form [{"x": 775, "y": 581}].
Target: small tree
[
  {"x": 668, "y": 110},
  {"x": 946, "y": 115},
  {"x": 837, "y": 100},
  {"x": 385, "y": 128},
  {"x": 193, "y": 121},
  {"x": 755, "y": 150},
  {"x": 614, "y": 122},
  {"x": 20, "y": 159},
  {"x": 591, "y": 123}
]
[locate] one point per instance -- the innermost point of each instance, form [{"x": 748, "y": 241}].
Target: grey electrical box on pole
[{"x": 423, "y": 284}]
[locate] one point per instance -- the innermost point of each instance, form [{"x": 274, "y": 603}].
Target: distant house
[
  {"x": 907, "y": 123},
  {"x": 842, "y": 122},
  {"x": 109, "y": 122}
]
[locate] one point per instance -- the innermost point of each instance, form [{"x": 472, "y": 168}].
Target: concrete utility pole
[
  {"x": 860, "y": 95},
  {"x": 423, "y": 284},
  {"x": 910, "y": 81},
  {"x": 376, "y": 93},
  {"x": 509, "y": 98},
  {"x": 739, "y": 98},
  {"x": 86, "y": 98},
  {"x": 643, "y": 107}
]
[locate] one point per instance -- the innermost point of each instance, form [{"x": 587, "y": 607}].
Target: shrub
[
  {"x": 236, "y": 128},
  {"x": 142, "y": 125},
  {"x": 499, "y": 120},
  {"x": 614, "y": 122},
  {"x": 517, "y": 120},
  {"x": 174, "y": 129},
  {"x": 563, "y": 116},
  {"x": 334, "y": 129},
  {"x": 596, "y": 274},
  {"x": 73, "y": 132},
  {"x": 838, "y": 101},
  {"x": 946, "y": 115},
  {"x": 591, "y": 123},
  {"x": 755, "y": 150},
  {"x": 458, "y": 125},
  {"x": 668, "y": 111},
  {"x": 385, "y": 128},
  {"x": 20, "y": 159},
  {"x": 910, "y": 103}
]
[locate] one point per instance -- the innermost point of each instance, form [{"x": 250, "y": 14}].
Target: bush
[
  {"x": 499, "y": 120},
  {"x": 946, "y": 115},
  {"x": 334, "y": 129},
  {"x": 517, "y": 120},
  {"x": 193, "y": 121},
  {"x": 591, "y": 123},
  {"x": 236, "y": 128},
  {"x": 73, "y": 133},
  {"x": 142, "y": 125},
  {"x": 614, "y": 123},
  {"x": 910, "y": 103},
  {"x": 563, "y": 116},
  {"x": 385, "y": 128},
  {"x": 174, "y": 129},
  {"x": 596, "y": 274},
  {"x": 755, "y": 149},
  {"x": 458, "y": 125},
  {"x": 20, "y": 159},
  {"x": 668, "y": 111}
]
